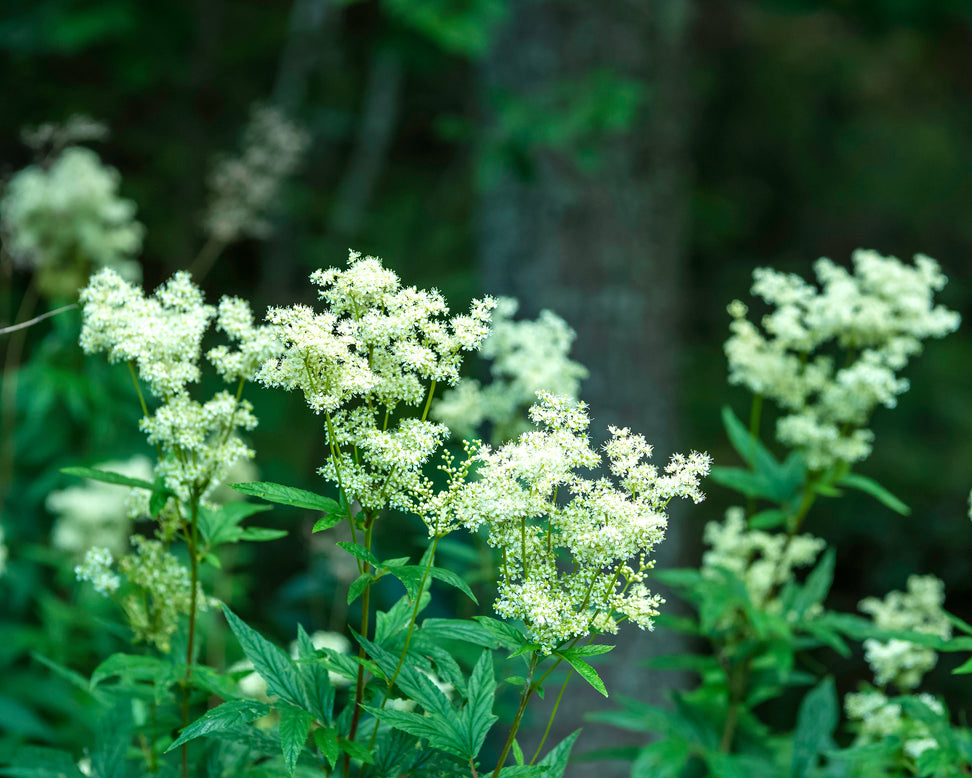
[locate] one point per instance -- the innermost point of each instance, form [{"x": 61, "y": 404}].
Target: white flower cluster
[
  {"x": 374, "y": 347},
  {"x": 877, "y": 718},
  {"x": 574, "y": 549},
  {"x": 877, "y": 316},
  {"x": 78, "y": 128},
  {"x": 245, "y": 188},
  {"x": 163, "y": 592},
  {"x": 763, "y": 561},
  {"x": 919, "y": 609},
  {"x": 97, "y": 513},
  {"x": 67, "y": 218},
  {"x": 97, "y": 568},
  {"x": 162, "y": 336},
  {"x": 526, "y": 356}
]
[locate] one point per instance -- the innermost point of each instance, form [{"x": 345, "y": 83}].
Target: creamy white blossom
[
  {"x": 245, "y": 188},
  {"x": 876, "y": 718},
  {"x": 67, "y": 218},
  {"x": 97, "y": 568},
  {"x": 254, "y": 344},
  {"x": 875, "y": 317},
  {"x": 575, "y": 549},
  {"x": 763, "y": 561},
  {"x": 526, "y": 356},
  {"x": 919, "y": 609}
]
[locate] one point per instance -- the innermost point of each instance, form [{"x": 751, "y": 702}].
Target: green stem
[
  {"x": 365, "y": 612},
  {"x": 192, "y": 539},
  {"x": 206, "y": 258},
  {"x": 553, "y": 713},
  {"x": 428, "y": 402},
  {"x": 528, "y": 689},
  {"x": 755, "y": 410}
]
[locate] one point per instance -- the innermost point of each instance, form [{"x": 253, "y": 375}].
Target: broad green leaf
[
  {"x": 314, "y": 673},
  {"x": 108, "y": 477},
  {"x": 358, "y": 586},
  {"x": 768, "y": 519},
  {"x": 664, "y": 758},
  {"x": 467, "y": 631},
  {"x": 744, "y": 481},
  {"x": 436, "y": 731},
  {"x": 476, "y": 717},
  {"x": 878, "y": 492},
  {"x": 359, "y": 552},
  {"x": 355, "y": 750},
  {"x": 327, "y": 521},
  {"x": 583, "y": 669},
  {"x": 157, "y": 502},
  {"x": 453, "y": 579},
  {"x": 273, "y": 665},
  {"x": 295, "y": 726},
  {"x": 229, "y": 715},
  {"x": 288, "y": 495},
  {"x": 506, "y": 634},
  {"x": 753, "y": 452},
  {"x": 262, "y": 534},
  {"x": 556, "y": 759},
  {"x": 816, "y": 722},
  {"x": 222, "y": 525},
  {"x": 327, "y": 741},
  {"x": 37, "y": 762},
  {"x": 817, "y": 585}
]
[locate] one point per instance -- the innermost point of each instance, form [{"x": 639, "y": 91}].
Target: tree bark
[{"x": 605, "y": 250}]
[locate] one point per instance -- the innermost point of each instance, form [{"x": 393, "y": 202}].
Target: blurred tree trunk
[{"x": 604, "y": 248}]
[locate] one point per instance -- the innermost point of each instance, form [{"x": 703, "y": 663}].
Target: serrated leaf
[
  {"x": 476, "y": 717},
  {"x": 273, "y": 665},
  {"x": 557, "y": 758},
  {"x": 222, "y": 525},
  {"x": 229, "y": 715},
  {"x": 816, "y": 722},
  {"x": 355, "y": 750},
  {"x": 817, "y": 585},
  {"x": 753, "y": 452},
  {"x": 295, "y": 726},
  {"x": 583, "y": 669},
  {"x": 517, "y": 753},
  {"x": 327, "y": 521},
  {"x": 108, "y": 477},
  {"x": 456, "y": 629},
  {"x": 327, "y": 742},
  {"x": 878, "y": 492},
  {"x": 359, "y": 552},
  {"x": 288, "y": 495},
  {"x": 506, "y": 634},
  {"x": 664, "y": 758},
  {"x": 454, "y": 580},
  {"x": 358, "y": 586}
]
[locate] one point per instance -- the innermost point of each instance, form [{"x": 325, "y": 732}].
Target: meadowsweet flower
[
  {"x": 877, "y": 316},
  {"x": 245, "y": 188},
  {"x": 97, "y": 513},
  {"x": 918, "y": 609},
  {"x": 763, "y": 561},
  {"x": 526, "y": 356},
  {"x": 376, "y": 346},
  {"x": 97, "y": 568},
  {"x": 161, "y": 334},
  {"x": 575, "y": 550},
  {"x": 64, "y": 220},
  {"x": 255, "y": 345},
  {"x": 78, "y": 128},
  {"x": 876, "y": 718},
  {"x": 161, "y": 592}
]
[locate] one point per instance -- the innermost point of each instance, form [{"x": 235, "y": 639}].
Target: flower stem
[
  {"x": 192, "y": 541},
  {"x": 528, "y": 689},
  {"x": 551, "y": 719},
  {"x": 360, "y": 682}
]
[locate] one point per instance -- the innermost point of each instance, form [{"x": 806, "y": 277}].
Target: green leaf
[
  {"x": 558, "y": 756},
  {"x": 327, "y": 521},
  {"x": 768, "y": 519},
  {"x": 964, "y": 668},
  {"x": 262, "y": 534},
  {"x": 753, "y": 452},
  {"x": 273, "y": 665},
  {"x": 505, "y": 634},
  {"x": 817, "y": 585},
  {"x": 358, "y": 586},
  {"x": 36, "y": 762},
  {"x": 295, "y": 725},
  {"x": 451, "y": 578},
  {"x": 584, "y": 670},
  {"x": 229, "y": 715},
  {"x": 467, "y": 631},
  {"x": 359, "y": 552},
  {"x": 327, "y": 742},
  {"x": 517, "y": 753},
  {"x": 744, "y": 481},
  {"x": 288, "y": 495},
  {"x": 476, "y": 718},
  {"x": 355, "y": 750},
  {"x": 114, "y": 478},
  {"x": 313, "y": 672},
  {"x": 157, "y": 501},
  {"x": 664, "y": 758},
  {"x": 878, "y": 492},
  {"x": 816, "y": 722},
  {"x": 222, "y": 525}
]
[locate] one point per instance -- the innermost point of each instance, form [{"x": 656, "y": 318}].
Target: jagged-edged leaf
[
  {"x": 359, "y": 552},
  {"x": 37, "y": 762},
  {"x": 327, "y": 741},
  {"x": 355, "y": 750},
  {"x": 556, "y": 759},
  {"x": 476, "y": 717},
  {"x": 878, "y": 492},
  {"x": 75, "y": 679},
  {"x": 817, "y": 585},
  {"x": 273, "y": 665},
  {"x": 467, "y": 631},
  {"x": 505, "y": 634},
  {"x": 222, "y": 525},
  {"x": 454, "y": 580},
  {"x": 295, "y": 726},
  {"x": 327, "y": 521},
  {"x": 437, "y": 732},
  {"x": 358, "y": 585},
  {"x": 313, "y": 671},
  {"x": 105, "y": 476},
  {"x": 229, "y": 715},
  {"x": 288, "y": 495},
  {"x": 753, "y": 452},
  {"x": 584, "y": 670},
  {"x": 816, "y": 722}
]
